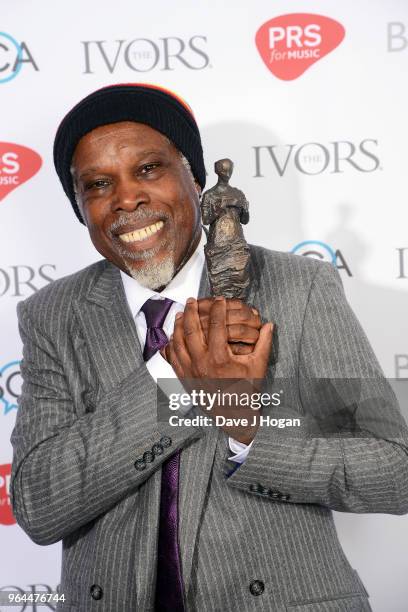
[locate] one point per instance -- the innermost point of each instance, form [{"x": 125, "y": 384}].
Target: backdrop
[{"x": 308, "y": 98}]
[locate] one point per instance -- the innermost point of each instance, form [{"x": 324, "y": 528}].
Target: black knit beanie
[{"x": 155, "y": 106}]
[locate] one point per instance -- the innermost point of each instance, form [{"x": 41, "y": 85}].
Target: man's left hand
[{"x": 243, "y": 324}]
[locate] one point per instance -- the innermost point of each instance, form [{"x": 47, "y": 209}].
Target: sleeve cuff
[{"x": 239, "y": 449}]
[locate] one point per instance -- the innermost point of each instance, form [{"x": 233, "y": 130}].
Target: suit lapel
[
  {"x": 255, "y": 270},
  {"x": 109, "y": 329}
]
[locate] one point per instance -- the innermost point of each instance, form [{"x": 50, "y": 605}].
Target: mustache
[{"x": 138, "y": 215}]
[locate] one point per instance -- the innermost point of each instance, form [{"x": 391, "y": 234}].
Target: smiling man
[{"x": 159, "y": 517}]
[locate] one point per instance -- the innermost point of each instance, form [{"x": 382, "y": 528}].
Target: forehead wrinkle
[
  {"x": 123, "y": 129},
  {"x": 95, "y": 135}
]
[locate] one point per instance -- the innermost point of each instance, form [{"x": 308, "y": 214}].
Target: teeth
[{"x": 143, "y": 233}]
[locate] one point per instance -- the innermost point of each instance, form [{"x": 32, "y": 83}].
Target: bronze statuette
[{"x": 224, "y": 209}]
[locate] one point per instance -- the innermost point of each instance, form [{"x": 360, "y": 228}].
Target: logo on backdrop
[
  {"x": 314, "y": 158},
  {"x": 290, "y": 44},
  {"x": 144, "y": 54},
  {"x": 13, "y": 56},
  {"x": 397, "y": 36},
  {"x": 6, "y": 515},
  {"x": 323, "y": 251},
  {"x": 10, "y": 386},
  {"x": 21, "y": 281},
  {"x": 17, "y": 165}
]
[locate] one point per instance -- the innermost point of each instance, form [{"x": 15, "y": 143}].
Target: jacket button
[
  {"x": 140, "y": 465},
  {"x": 275, "y": 494},
  {"x": 166, "y": 441},
  {"x": 157, "y": 449},
  {"x": 257, "y": 587},
  {"x": 148, "y": 457},
  {"x": 96, "y": 592}
]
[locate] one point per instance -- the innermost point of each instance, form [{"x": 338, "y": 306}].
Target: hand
[
  {"x": 193, "y": 356},
  {"x": 243, "y": 324}
]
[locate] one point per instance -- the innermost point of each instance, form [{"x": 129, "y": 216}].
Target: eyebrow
[
  {"x": 93, "y": 169},
  {"x": 87, "y": 172}
]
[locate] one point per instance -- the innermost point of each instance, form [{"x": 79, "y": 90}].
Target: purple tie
[
  {"x": 169, "y": 582},
  {"x": 155, "y": 312}
]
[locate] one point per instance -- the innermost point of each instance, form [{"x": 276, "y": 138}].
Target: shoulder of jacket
[
  {"x": 297, "y": 267},
  {"x": 60, "y": 292}
]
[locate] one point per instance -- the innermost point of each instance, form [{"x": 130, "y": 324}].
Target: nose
[{"x": 129, "y": 194}]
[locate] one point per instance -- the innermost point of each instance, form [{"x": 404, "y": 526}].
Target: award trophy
[{"x": 225, "y": 209}]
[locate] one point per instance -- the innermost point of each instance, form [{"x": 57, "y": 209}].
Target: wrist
[{"x": 246, "y": 437}]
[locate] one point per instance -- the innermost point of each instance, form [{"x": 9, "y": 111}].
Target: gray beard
[
  {"x": 149, "y": 274},
  {"x": 154, "y": 276}
]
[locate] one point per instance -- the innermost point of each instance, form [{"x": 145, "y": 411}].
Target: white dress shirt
[{"x": 183, "y": 285}]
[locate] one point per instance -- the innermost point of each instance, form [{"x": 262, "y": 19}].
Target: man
[{"x": 153, "y": 516}]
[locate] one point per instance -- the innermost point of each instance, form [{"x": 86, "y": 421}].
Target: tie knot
[{"x": 156, "y": 311}]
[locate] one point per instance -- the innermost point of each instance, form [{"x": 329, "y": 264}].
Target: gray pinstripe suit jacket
[{"x": 87, "y": 412}]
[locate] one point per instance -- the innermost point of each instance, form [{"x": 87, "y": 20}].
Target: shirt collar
[{"x": 183, "y": 285}]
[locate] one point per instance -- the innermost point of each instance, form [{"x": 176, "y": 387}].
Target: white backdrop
[{"x": 321, "y": 158}]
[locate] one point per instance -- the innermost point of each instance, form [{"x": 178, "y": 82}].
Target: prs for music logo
[
  {"x": 17, "y": 165},
  {"x": 6, "y": 515},
  {"x": 290, "y": 44}
]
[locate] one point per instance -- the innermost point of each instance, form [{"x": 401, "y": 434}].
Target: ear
[
  {"x": 78, "y": 202},
  {"x": 198, "y": 188}
]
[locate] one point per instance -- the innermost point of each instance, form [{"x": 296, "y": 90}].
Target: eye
[
  {"x": 98, "y": 184},
  {"x": 147, "y": 168}
]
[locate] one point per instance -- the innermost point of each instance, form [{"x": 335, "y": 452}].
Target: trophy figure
[{"x": 224, "y": 209}]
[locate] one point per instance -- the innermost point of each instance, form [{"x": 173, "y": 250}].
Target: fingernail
[
  {"x": 254, "y": 310},
  {"x": 219, "y": 297},
  {"x": 171, "y": 337},
  {"x": 270, "y": 327},
  {"x": 190, "y": 300},
  {"x": 179, "y": 315}
]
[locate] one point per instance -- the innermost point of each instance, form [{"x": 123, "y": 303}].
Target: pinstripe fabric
[{"x": 88, "y": 411}]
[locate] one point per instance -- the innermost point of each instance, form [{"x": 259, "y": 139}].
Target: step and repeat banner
[{"x": 308, "y": 98}]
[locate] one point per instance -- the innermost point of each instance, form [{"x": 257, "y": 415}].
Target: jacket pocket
[{"x": 346, "y": 603}]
